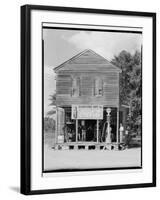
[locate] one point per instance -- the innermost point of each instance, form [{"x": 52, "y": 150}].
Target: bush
[{"x": 49, "y": 124}]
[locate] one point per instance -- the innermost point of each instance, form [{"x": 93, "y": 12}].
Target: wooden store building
[{"x": 87, "y": 103}]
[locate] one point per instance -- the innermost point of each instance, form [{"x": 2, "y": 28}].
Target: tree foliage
[
  {"x": 52, "y": 99},
  {"x": 49, "y": 124},
  {"x": 131, "y": 86},
  {"x": 53, "y": 103}
]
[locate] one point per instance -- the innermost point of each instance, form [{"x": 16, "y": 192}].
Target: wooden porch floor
[{"x": 86, "y": 146}]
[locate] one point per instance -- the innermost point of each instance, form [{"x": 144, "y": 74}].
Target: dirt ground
[{"x": 80, "y": 159}]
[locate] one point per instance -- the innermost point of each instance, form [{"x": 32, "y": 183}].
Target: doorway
[
  {"x": 91, "y": 130},
  {"x": 87, "y": 130}
]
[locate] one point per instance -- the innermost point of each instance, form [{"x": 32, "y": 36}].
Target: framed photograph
[{"x": 88, "y": 99}]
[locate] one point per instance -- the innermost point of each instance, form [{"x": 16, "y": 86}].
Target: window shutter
[
  {"x": 98, "y": 87},
  {"x": 76, "y": 86}
]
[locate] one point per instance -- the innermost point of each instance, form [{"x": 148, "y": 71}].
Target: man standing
[{"x": 79, "y": 133}]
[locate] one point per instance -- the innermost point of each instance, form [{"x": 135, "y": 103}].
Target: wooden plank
[
  {"x": 97, "y": 130},
  {"x": 85, "y": 59},
  {"x": 56, "y": 128},
  {"x": 63, "y": 84},
  {"x": 76, "y": 130},
  {"x": 110, "y": 94},
  {"x": 68, "y": 101},
  {"x": 89, "y": 57},
  {"x": 63, "y": 100},
  {"x": 117, "y": 132}
]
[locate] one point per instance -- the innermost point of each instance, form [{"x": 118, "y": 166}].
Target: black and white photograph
[
  {"x": 88, "y": 115},
  {"x": 92, "y": 98}
]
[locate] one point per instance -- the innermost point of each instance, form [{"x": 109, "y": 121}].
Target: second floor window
[
  {"x": 75, "y": 86},
  {"x": 98, "y": 87}
]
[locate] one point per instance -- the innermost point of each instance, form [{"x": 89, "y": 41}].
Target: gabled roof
[{"x": 87, "y": 60}]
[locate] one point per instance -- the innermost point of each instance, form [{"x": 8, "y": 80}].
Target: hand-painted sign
[{"x": 87, "y": 112}]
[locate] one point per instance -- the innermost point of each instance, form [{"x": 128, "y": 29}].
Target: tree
[
  {"x": 49, "y": 124},
  {"x": 52, "y": 99},
  {"x": 131, "y": 86},
  {"x": 53, "y": 103}
]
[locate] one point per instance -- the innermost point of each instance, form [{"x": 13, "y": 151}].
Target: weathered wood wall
[{"x": 110, "y": 95}]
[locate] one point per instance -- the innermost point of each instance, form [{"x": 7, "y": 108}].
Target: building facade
[{"x": 87, "y": 102}]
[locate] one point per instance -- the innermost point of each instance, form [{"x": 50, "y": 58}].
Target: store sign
[{"x": 87, "y": 112}]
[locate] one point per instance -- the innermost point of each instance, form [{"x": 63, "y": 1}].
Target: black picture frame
[{"x": 25, "y": 182}]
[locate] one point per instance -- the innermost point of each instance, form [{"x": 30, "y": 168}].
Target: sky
[{"x": 60, "y": 45}]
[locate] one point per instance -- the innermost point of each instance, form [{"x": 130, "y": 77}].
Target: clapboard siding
[
  {"x": 89, "y": 67},
  {"x": 88, "y": 57},
  {"x": 63, "y": 84},
  {"x": 87, "y": 60},
  {"x": 66, "y": 101},
  {"x": 110, "y": 89},
  {"x": 86, "y": 85},
  {"x": 86, "y": 67}
]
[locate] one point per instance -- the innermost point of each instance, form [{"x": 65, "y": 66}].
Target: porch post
[
  {"x": 76, "y": 130},
  {"x": 117, "y": 135},
  {"x": 97, "y": 130},
  {"x": 56, "y": 129}
]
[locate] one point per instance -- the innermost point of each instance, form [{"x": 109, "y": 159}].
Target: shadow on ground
[{"x": 14, "y": 188}]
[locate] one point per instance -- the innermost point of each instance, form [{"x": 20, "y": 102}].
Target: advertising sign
[{"x": 87, "y": 112}]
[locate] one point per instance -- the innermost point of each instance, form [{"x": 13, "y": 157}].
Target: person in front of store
[
  {"x": 79, "y": 132},
  {"x": 127, "y": 137},
  {"x": 83, "y": 133}
]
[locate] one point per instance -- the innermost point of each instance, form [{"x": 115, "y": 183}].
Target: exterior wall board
[
  {"x": 110, "y": 94},
  {"x": 87, "y": 67}
]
